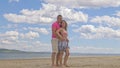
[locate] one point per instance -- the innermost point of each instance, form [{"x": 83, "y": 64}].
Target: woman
[{"x": 63, "y": 43}]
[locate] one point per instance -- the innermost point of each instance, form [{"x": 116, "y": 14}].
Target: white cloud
[
  {"x": 74, "y": 25},
  {"x": 13, "y": 33},
  {"x": 47, "y": 14},
  {"x": 14, "y": 36},
  {"x": 20, "y": 41},
  {"x": 40, "y": 30},
  {"x": 29, "y": 35},
  {"x": 33, "y": 46},
  {"x": 85, "y": 3},
  {"x": 9, "y": 37},
  {"x": 6, "y": 42},
  {"x": 9, "y": 26},
  {"x": 91, "y": 32},
  {"x": 106, "y": 20},
  {"x": 118, "y": 13},
  {"x": 37, "y": 46},
  {"x": 13, "y": 1}
]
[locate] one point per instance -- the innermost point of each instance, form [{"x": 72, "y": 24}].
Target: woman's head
[{"x": 64, "y": 24}]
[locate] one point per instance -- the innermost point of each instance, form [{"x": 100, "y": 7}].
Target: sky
[{"x": 93, "y": 25}]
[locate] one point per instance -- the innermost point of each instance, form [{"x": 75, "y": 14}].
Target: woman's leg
[
  {"x": 60, "y": 57},
  {"x": 60, "y": 53},
  {"x": 66, "y": 57},
  {"x": 57, "y": 59}
]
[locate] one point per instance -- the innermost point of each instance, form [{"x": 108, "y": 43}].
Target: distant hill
[
  {"x": 9, "y": 50},
  {"x": 18, "y": 51}
]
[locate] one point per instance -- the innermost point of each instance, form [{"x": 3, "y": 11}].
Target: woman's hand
[
  {"x": 62, "y": 38},
  {"x": 67, "y": 40}
]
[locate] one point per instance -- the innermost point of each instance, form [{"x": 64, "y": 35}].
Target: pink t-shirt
[{"x": 56, "y": 26}]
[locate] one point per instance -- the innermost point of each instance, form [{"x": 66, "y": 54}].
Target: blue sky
[{"x": 93, "y": 26}]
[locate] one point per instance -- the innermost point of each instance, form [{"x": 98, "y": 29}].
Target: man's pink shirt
[{"x": 56, "y": 26}]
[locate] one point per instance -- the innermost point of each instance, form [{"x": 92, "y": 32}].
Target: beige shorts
[{"x": 54, "y": 42}]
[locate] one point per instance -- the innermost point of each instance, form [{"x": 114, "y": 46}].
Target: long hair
[{"x": 65, "y": 24}]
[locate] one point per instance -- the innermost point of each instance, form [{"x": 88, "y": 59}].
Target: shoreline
[{"x": 50, "y": 57}]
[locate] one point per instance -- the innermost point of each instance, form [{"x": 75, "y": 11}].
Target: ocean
[{"x": 31, "y": 55}]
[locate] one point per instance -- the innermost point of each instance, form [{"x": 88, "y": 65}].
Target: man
[{"x": 55, "y": 27}]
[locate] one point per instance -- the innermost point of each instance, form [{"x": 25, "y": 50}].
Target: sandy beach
[{"x": 74, "y": 62}]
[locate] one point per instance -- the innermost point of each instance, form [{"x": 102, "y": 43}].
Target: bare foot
[
  {"x": 60, "y": 65},
  {"x": 57, "y": 65},
  {"x": 53, "y": 66},
  {"x": 66, "y": 65}
]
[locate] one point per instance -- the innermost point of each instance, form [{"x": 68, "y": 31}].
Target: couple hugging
[{"x": 59, "y": 42}]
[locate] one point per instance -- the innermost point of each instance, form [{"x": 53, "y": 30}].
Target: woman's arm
[
  {"x": 67, "y": 40},
  {"x": 58, "y": 33}
]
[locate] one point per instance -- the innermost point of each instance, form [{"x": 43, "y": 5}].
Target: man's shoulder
[{"x": 54, "y": 23}]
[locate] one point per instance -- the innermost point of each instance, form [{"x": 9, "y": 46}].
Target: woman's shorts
[{"x": 62, "y": 45}]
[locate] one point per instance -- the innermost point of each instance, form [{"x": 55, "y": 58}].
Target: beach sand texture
[{"x": 74, "y": 62}]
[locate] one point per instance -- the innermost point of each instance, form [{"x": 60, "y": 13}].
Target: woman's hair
[{"x": 65, "y": 24}]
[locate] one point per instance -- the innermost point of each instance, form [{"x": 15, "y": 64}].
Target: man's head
[{"x": 59, "y": 18}]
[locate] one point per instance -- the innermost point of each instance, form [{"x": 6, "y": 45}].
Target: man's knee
[{"x": 53, "y": 53}]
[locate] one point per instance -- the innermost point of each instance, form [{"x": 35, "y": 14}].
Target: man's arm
[{"x": 53, "y": 29}]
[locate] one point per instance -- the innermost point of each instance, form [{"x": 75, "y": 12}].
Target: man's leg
[
  {"x": 53, "y": 58},
  {"x": 57, "y": 59},
  {"x": 55, "y": 51}
]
